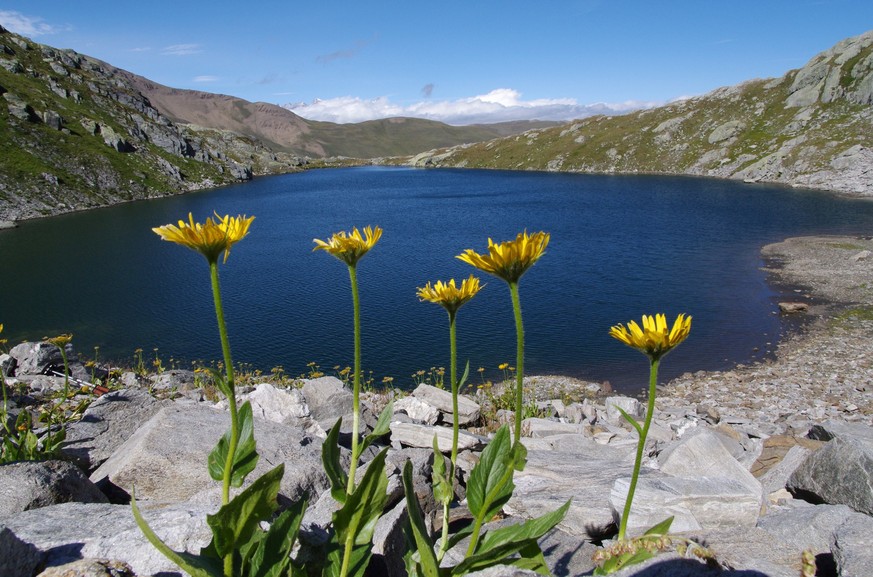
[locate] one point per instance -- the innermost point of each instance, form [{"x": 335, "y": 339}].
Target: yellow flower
[
  {"x": 503, "y": 366},
  {"x": 210, "y": 238},
  {"x": 654, "y": 339},
  {"x": 60, "y": 341},
  {"x": 509, "y": 259},
  {"x": 350, "y": 247},
  {"x": 449, "y": 295}
]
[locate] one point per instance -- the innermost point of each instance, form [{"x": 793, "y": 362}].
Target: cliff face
[
  {"x": 812, "y": 127},
  {"x": 75, "y": 133}
]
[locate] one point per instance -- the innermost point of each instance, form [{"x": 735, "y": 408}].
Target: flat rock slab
[
  {"x": 415, "y": 435},
  {"x": 64, "y": 533},
  {"x": 585, "y": 478},
  {"x": 166, "y": 458},
  {"x": 468, "y": 410},
  {"x": 695, "y": 503}
]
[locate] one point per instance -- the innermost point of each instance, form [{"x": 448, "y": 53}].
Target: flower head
[
  {"x": 510, "y": 259},
  {"x": 350, "y": 247},
  {"x": 59, "y": 341},
  {"x": 654, "y": 338},
  {"x": 210, "y": 238},
  {"x": 448, "y": 295}
]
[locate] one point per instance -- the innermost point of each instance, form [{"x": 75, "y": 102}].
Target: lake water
[{"x": 621, "y": 246}]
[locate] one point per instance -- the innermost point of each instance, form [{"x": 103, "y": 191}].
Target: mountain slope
[
  {"x": 75, "y": 134},
  {"x": 812, "y": 127}
]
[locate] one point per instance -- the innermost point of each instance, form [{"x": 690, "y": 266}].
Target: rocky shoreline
[{"x": 759, "y": 463}]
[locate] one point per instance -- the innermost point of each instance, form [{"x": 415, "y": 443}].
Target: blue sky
[{"x": 454, "y": 61}]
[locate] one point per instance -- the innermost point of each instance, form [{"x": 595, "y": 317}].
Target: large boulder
[
  {"x": 468, "y": 410},
  {"x": 841, "y": 472},
  {"x": 328, "y": 400},
  {"x": 106, "y": 424},
  {"x": 852, "y": 546},
  {"x": 166, "y": 458},
  {"x": 29, "y": 485},
  {"x": 68, "y": 532}
]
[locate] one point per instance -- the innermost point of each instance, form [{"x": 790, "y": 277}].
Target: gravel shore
[{"x": 824, "y": 371}]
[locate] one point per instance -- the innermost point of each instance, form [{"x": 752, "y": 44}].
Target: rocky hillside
[
  {"x": 812, "y": 127},
  {"x": 75, "y": 134}
]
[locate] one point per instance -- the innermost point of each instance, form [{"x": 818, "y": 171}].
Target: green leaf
[
  {"x": 194, "y": 565},
  {"x": 245, "y": 457},
  {"x": 661, "y": 528},
  {"x": 272, "y": 556},
  {"x": 490, "y": 485},
  {"x": 442, "y": 485},
  {"x": 427, "y": 562},
  {"x": 630, "y": 420},
  {"x": 464, "y": 376},
  {"x": 355, "y": 522},
  {"x": 235, "y": 523},
  {"x": 220, "y": 380},
  {"x": 499, "y": 546},
  {"x": 383, "y": 426},
  {"x": 518, "y": 457},
  {"x": 330, "y": 458}
]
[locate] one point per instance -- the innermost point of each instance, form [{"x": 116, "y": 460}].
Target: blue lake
[{"x": 621, "y": 246}]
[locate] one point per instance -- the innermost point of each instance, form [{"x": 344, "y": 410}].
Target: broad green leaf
[
  {"x": 355, "y": 522},
  {"x": 272, "y": 557},
  {"x": 630, "y": 420},
  {"x": 490, "y": 485},
  {"x": 442, "y": 485},
  {"x": 427, "y": 558},
  {"x": 235, "y": 523},
  {"x": 518, "y": 455},
  {"x": 530, "y": 529},
  {"x": 661, "y": 528},
  {"x": 383, "y": 425},
  {"x": 330, "y": 458},
  {"x": 194, "y": 565},
  {"x": 245, "y": 457}
]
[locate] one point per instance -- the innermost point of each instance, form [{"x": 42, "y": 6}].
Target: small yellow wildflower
[
  {"x": 510, "y": 259},
  {"x": 59, "y": 341},
  {"x": 448, "y": 295},
  {"x": 503, "y": 366},
  {"x": 350, "y": 247},
  {"x": 210, "y": 238},
  {"x": 654, "y": 338}
]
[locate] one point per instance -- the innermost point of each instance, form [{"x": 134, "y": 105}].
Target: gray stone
[
  {"x": 389, "y": 543},
  {"x": 841, "y": 472},
  {"x": 695, "y": 503},
  {"x": 702, "y": 453},
  {"x": 539, "y": 428},
  {"x": 166, "y": 458},
  {"x": 830, "y": 429},
  {"x": 178, "y": 380},
  {"x": 852, "y": 547},
  {"x": 29, "y": 485},
  {"x": 7, "y": 365},
  {"x": 106, "y": 424},
  {"x": 776, "y": 479},
  {"x": 417, "y": 410},
  {"x": 584, "y": 477},
  {"x": 328, "y": 400},
  {"x": 629, "y": 405},
  {"x": 283, "y": 406},
  {"x": 415, "y": 435},
  {"x": 32, "y": 358},
  {"x": 752, "y": 552},
  {"x": 806, "y": 526},
  {"x": 468, "y": 410},
  {"x": 90, "y": 568},
  {"x": 68, "y": 532}
]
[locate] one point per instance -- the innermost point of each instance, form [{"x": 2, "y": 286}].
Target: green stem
[
  {"x": 650, "y": 409},
  {"x": 66, "y": 374},
  {"x": 453, "y": 375},
  {"x": 519, "y": 360},
  {"x": 356, "y": 390},
  {"x": 231, "y": 400}
]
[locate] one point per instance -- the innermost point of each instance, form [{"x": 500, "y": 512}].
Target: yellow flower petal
[
  {"x": 210, "y": 238},
  {"x": 449, "y": 295},
  {"x": 654, "y": 339},
  {"x": 350, "y": 247},
  {"x": 510, "y": 259}
]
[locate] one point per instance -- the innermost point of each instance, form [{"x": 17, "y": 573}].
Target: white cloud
[
  {"x": 27, "y": 25},
  {"x": 181, "y": 50},
  {"x": 499, "y": 105},
  {"x": 206, "y": 78}
]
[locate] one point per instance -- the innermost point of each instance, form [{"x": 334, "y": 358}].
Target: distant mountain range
[
  {"x": 812, "y": 127},
  {"x": 77, "y": 133}
]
